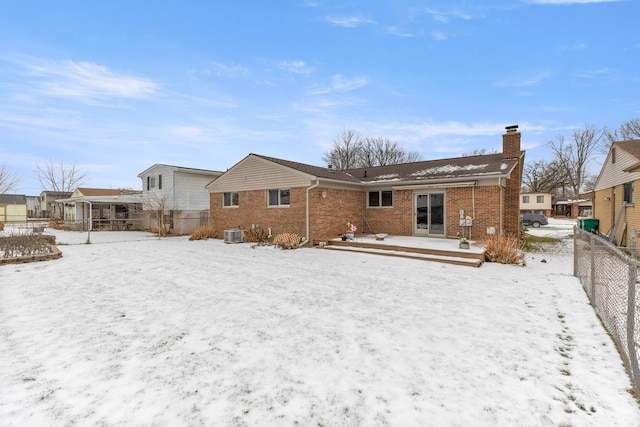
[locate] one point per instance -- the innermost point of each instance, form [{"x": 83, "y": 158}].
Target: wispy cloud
[
  {"x": 395, "y": 31},
  {"x": 600, "y": 72},
  {"x": 579, "y": 46},
  {"x": 348, "y": 21},
  {"x": 439, "y": 35},
  {"x": 524, "y": 81},
  {"x": 225, "y": 70},
  {"x": 297, "y": 67},
  {"x": 446, "y": 17},
  {"x": 339, "y": 83},
  {"x": 344, "y": 84},
  {"x": 571, "y": 1},
  {"x": 89, "y": 81}
]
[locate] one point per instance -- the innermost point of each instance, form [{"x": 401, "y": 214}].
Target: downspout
[
  {"x": 501, "y": 205},
  {"x": 306, "y": 239},
  {"x": 473, "y": 205}
]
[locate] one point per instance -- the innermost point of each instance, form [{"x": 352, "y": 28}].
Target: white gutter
[
  {"x": 447, "y": 184},
  {"x": 306, "y": 238}
]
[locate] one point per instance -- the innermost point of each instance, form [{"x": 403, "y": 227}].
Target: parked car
[{"x": 534, "y": 220}]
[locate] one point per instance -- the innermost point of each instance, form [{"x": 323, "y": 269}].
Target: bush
[
  {"x": 204, "y": 232},
  {"x": 503, "y": 249},
  {"x": 256, "y": 235},
  {"x": 19, "y": 244}
]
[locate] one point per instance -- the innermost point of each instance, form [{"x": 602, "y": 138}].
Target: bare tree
[
  {"x": 382, "y": 151},
  {"x": 61, "y": 177},
  {"x": 589, "y": 183},
  {"x": 573, "y": 156},
  {"x": 351, "y": 151},
  {"x": 345, "y": 151},
  {"x": 628, "y": 131},
  {"x": 544, "y": 177},
  {"x": 8, "y": 179},
  {"x": 158, "y": 203}
]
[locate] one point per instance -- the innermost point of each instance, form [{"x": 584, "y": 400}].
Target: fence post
[
  {"x": 575, "y": 252},
  {"x": 631, "y": 314},
  {"x": 592, "y": 244}
]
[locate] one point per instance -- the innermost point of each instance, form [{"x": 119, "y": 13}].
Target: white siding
[
  {"x": 155, "y": 195},
  {"x": 612, "y": 173},
  {"x": 190, "y": 192},
  {"x": 255, "y": 173}
]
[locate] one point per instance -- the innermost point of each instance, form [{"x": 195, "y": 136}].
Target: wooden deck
[{"x": 422, "y": 248}]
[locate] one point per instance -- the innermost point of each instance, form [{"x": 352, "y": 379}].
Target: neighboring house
[
  {"x": 48, "y": 205},
  {"x": 615, "y": 192},
  {"x": 33, "y": 207},
  {"x": 428, "y": 198},
  {"x": 176, "y": 197},
  {"x": 103, "y": 209},
  {"x": 539, "y": 203},
  {"x": 13, "y": 208},
  {"x": 573, "y": 207}
]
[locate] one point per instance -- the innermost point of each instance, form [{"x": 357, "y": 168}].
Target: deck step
[{"x": 472, "y": 259}]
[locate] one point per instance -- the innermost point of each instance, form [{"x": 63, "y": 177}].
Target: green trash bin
[{"x": 588, "y": 224}]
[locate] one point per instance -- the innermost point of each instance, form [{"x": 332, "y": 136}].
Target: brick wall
[
  {"x": 511, "y": 205},
  {"x": 485, "y": 215},
  {"x": 396, "y": 220},
  {"x": 330, "y": 209}
]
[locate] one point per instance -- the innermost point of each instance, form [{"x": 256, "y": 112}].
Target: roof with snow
[{"x": 468, "y": 167}]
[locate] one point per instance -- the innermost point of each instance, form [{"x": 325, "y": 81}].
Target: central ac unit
[{"x": 233, "y": 236}]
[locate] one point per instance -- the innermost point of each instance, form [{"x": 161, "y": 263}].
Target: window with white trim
[
  {"x": 230, "y": 199},
  {"x": 525, "y": 199},
  {"x": 539, "y": 199},
  {"x": 380, "y": 199},
  {"x": 151, "y": 182},
  {"x": 279, "y": 197}
]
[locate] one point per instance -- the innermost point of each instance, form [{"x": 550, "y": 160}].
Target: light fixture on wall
[
  {"x": 606, "y": 199},
  {"x": 324, "y": 194}
]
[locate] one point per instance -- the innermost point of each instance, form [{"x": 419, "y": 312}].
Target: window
[
  {"x": 628, "y": 192},
  {"x": 151, "y": 182},
  {"x": 160, "y": 181},
  {"x": 380, "y": 198},
  {"x": 230, "y": 199},
  {"x": 525, "y": 199},
  {"x": 279, "y": 197},
  {"x": 539, "y": 199}
]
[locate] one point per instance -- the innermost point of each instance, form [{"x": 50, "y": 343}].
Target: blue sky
[{"x": 117, "y": 86}]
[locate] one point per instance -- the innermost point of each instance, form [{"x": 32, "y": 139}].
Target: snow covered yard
[{"x": 132, "y": 330}]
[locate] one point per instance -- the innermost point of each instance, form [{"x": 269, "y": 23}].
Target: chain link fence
[{"x": 609, "y": 276}]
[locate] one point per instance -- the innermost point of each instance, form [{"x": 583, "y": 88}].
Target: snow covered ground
[{"x": 132, "y": 330}]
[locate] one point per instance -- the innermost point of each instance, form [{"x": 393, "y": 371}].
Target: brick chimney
[
  {"x": 511, "y": 143},
  {"x": 511, "y": 195}
]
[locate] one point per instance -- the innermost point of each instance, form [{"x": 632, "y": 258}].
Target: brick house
[
  {"x": 614, "y": 192},
  {"x": 426, "y": 198}
]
